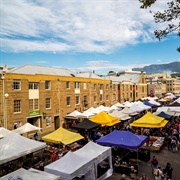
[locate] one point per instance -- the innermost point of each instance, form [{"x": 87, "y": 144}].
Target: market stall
[{"x": 125, "y": 140}]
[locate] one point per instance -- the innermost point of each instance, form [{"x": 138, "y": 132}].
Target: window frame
[
  {"x": 18, "y": 104},
  {"x": 16, "y": 83}
]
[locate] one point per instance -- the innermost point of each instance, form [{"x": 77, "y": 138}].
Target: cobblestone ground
[{"x": 163, "y": 156}]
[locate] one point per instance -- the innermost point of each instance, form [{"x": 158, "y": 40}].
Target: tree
[{"x": 172, "y": 13}]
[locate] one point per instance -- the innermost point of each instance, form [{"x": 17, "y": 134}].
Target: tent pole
[{"x": 137, "y": 161}]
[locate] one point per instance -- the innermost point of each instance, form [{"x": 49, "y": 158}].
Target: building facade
[{"x": 42, "y": 96}]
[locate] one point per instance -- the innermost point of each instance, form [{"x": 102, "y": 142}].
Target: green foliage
[{"x": 169, "y": 16}]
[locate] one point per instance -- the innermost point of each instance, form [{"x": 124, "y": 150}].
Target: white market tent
[
  {"x": 120, "y": 115},
  {"x": 72, "y": 165},
  {"x": 73, "y": 115},
  {"x": 127, "y": 104},
  {"x": 94, "y": 110},
  {"x": 102, "y": 108},
  {"x": 30, "y": 174},
  {"x": 26, "y": 128},
  {"x": 177, "y": 100},
  {"x": 136, "y": 108},
  {"x": 154, "y": 102},
  {"x": 128, "y": 111},
  {"x": 142, "y": 105},
  {"x": 119, "y": 105},
  {"x": 14, "y": 146},
  {"x": 87, "y": 114},
  {"x": 4, "y": 132},
  {"x": 98, "y": 153}
]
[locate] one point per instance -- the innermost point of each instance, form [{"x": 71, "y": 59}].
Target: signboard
[{"x": 34, "y": 113}]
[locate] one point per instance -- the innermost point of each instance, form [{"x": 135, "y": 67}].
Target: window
[
  {"x": 107, "y": 97},
  {"x": 67, "y": 85},
  {"x": 33, "y": 104},
  {"x": 68, "y": 101},
  {"x": 47, "y": 85},
  {"x": 17, "y": 84},
  {"x": 94, "y": 98},
  {"x": 33, "y": 85},
  {"x": 107, "y": 86},
  {"x": 101, "y": 97},
  {"x": 85, "y": 98},
  {"x": 48, "y": 103},
  {"x": 101, "y": 86},
  {"x": 123, "y": 87},
  {"x": 17, "y": 105},
  {"x": 85, "y": 86},
  {"x": 114, "y": 86},
  {"x": 77, "y": 85},
  {"x": 77, "y": 99},
  {"x": 136, "y": 94},
  {"x": 131, "y": 95},
  {"x": 30, "y": 104},
  {"x": 95, "y": 86},
  {"x": 114, "y": 96},
  {"x": 126, "y": 87}
]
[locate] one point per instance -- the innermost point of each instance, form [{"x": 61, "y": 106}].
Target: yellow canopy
[
  {"x": 62, "y": 135},
  {"x": 104, "y": 119},
  {"x": 150, "y": 120}
]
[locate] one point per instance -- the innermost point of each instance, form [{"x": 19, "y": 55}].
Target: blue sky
[{"x": 100, "y": 35}]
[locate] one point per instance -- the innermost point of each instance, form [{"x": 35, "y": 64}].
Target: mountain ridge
[{"x": 171, "y": 68}]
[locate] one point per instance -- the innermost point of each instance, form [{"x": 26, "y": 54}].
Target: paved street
[{"x": 163, "y": 156}]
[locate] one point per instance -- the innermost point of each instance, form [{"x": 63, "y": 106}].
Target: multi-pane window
[
  {"x": 85, "y": 98},
  {"x": 47, "y": 85},
  {"x": 101, "y": 86},
  {"x": 33, "y": 85},
  {"x": 77, "y": 99},
  {"x": 77, "y": 85},
  {"x": 17, "y": 84},
  {"x": 48, "y": 103},
  {"x": 17, "y": 105},
  {"x": 95, "y": 86},
  {"x": 33, "y": 104},
  {"x": 68, "y": 101},
  {"x": 67, "y": 85}
]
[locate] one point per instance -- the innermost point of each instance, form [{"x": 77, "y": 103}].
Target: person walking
[
  {"x": 159, "y": 174},
  {"x": 168, "y": 170},
  {"x": 154, "y": 162}
]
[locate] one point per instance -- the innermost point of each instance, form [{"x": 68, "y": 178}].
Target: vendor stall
[
  {"x": 156, "y": 143},
  {"x": 125, "y": 140}
]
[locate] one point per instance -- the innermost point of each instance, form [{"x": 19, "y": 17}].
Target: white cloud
[
  {"x": 103, "y": 66},
  {"x": 80, "y": 26}
]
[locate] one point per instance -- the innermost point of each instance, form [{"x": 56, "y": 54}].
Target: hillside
[{"x": 171, "y": 68}]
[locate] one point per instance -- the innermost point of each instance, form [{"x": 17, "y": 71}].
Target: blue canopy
[
  {"x": 123, "y": 139},
  {"x": 147, "y": 103},
  {"x": 164, "y": 115}
]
